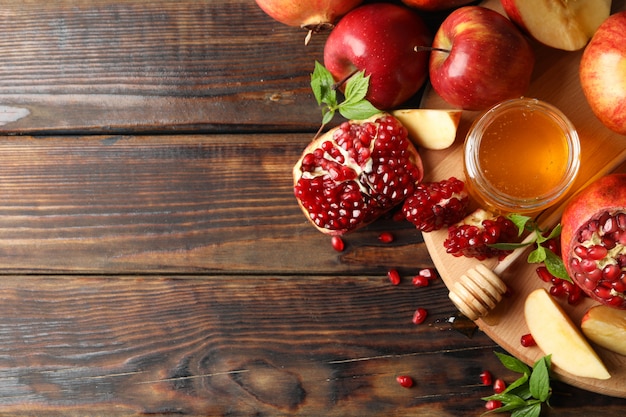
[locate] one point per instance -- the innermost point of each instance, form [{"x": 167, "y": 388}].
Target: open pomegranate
[
  {"x": 354, "y": 173},
  {"x": 593, "y": 240}
]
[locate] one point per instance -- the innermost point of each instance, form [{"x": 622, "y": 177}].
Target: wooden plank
[
  {"x": 111, "y": 66},
  {"x": 240, "y": 345},
  {"x": 172, "y": 203}
]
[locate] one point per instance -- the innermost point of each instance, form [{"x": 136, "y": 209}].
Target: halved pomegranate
[
  {"x": 354, "y": 173},
  {"x": 593, "y": 240}
]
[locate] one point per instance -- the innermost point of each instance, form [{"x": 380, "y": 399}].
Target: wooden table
[{"x": 153, "y": 258}]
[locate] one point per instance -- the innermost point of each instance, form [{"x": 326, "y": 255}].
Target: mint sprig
[
  {"x": 540, "y": 254},
  {"x": 354, "y": 106},
  {"x": 526, "y": 395}
]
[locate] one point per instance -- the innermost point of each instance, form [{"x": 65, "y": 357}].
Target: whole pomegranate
[
  {"x": 593, "y": 240},
  {"x": 309, "y": 14},
  {"x": 354, "y": 173}
]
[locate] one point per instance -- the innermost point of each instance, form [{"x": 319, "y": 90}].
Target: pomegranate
[
  {"x": 312, "y": 15},
  {"x": 593, "y": 240},
  {"x": 354, "y": 173}
]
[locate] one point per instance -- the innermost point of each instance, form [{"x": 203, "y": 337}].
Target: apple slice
[
  {"x": 566, "y": 25},
  {"x": 606, "y": 326},
  {"x": 430, "y": 128},
  {"x": 556, "y": 334}
]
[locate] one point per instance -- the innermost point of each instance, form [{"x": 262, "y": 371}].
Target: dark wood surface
[{"x": 153, "y": 258}]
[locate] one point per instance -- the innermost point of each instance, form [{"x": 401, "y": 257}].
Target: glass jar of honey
[{"x": 521, "y": 156}]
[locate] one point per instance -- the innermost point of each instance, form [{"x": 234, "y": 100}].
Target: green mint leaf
[
  {"x": 520, "y": 221},
  {"x": 519, "y": 387},
  {"x": 532, "y": 410},
  {"x": 508, "y": 246},
  {"x": 358, "y": 111},
  {"x": 539, "y": 381},
  {"x": 537, "y": 256},
  {"x": 327, "y": 116},
  {"x": 555, "y": 232},
  {"x": 555, "y": 266},
  {"x": 513, "y": 364},
  {"x": 356, "y": 87},
  {"x": 322, "y": 85}
]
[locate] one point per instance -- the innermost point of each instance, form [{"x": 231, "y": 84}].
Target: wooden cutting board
[{"x": 555, "y": 80}]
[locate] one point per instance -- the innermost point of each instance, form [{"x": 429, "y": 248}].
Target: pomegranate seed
[
  {"x": 429, "y": 273},
  {"x": 499, "y": 386},
  {"x": 386, "y": 237},
  {"x": 527, "y": 340},
  {"x": 405, "y": 380},
  {"x": 493, "y": 404},
  {"x": 394, "y": 276},
  {"x": 420, "y": 281},
  {"x": 419, "y": 316},
  {"x": 544, "y": 274},
  {"x": 485, "y": 378},
  {"x": 337, "y": 243}
]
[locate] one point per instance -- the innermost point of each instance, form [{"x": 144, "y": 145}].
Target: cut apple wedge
[
  {"x": 606, "y": 327},
  {"x": 566, "y": 25},
  {"x": 430, "y": 128},
  {"x": 556, "y": 334}
]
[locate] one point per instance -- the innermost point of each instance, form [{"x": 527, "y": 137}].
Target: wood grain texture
[
  {"x": 153, "y": 260},
  {"x": 113, "y": 66}
]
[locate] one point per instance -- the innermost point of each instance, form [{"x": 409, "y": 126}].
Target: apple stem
[
  {"x": 430, "y": 49},
  {"x": 344, "y": 80}
]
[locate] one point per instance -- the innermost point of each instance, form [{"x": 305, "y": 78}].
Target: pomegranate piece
[
  {"x": 593, "y": 240},
  {"x": 493, "y": 405},
  {"x": 472, "y": 236},
  {"x": 486, "y": 378},
  {"x": 394, "y": 276},
  {"x": 356, "y": 172},
  {"x": 499, "y": 386},
  {"x": 386, "y": 237},
  {"x": 337, "y": 243},
  {"x": 405, "y": 380},
  {"x": 420, "y": 316},
  {"x": 435, "y": 205},
  {"x": 527, "y": 340}
]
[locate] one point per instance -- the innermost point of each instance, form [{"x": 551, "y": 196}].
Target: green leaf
[
  {"x": 532, "y": 410},
  {"x": 539, "y": 381},
  {"x": 555, "y": 266},
  {"x": 322, "y": 85},
  {"x": 357, "y": 111},
  {"x": 356, "y": 87},
  {"x": 555, "y": 232},
  {"x": 520, "y": 221},
  {"x": 512, "y": 363},
  {"x": 508, "y": 246},
  {"x": 537, "y": 256}
]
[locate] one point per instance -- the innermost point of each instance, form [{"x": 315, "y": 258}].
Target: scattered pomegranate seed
[
  {"x": 405, "y": 380},
  {"x": 499, "y": 386},
  {"x": 386, "y": 237},
  {"x": 486, "y": 378},
  {"x": 543, "y": 273},
  {"x": 493, "y": 404},
  {"x": 419, "y": 316},
  {"x": 420, "y": 281},
  {"x": 527, "y": 340},
  {"x": 394, "y": 276},
  {"x": 429, "y": 273},
  {"x": 337, "y": 243}
]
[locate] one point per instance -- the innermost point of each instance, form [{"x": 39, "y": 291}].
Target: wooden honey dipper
[{"x": 480, "y": 289}]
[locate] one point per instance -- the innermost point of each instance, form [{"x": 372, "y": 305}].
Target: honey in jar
[{"x": 521, "y": 156}]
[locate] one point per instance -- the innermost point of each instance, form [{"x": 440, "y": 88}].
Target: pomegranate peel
[
  {"x": 354, "y": 173},
  {"x": 593, "y": 240}
]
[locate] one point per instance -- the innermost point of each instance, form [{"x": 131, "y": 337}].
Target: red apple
[
  {"x": 436, "y": 5},
  {"x": 380, "y": 39},
  {"x": 307, "y": 13},
  {"x": 479, "y": 58},
  {"x": 603, "y": 73},
  {"x": 566, "y": 25}
]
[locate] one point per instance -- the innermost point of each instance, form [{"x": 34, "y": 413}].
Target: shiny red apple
[
  {"x": 603, "y": 72},
  {"x": 308, "y": 14},
  {"x": 436, "y": 5},
  {"x": 479, "y": 58},
  {"x": 380, "y": 39}
]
